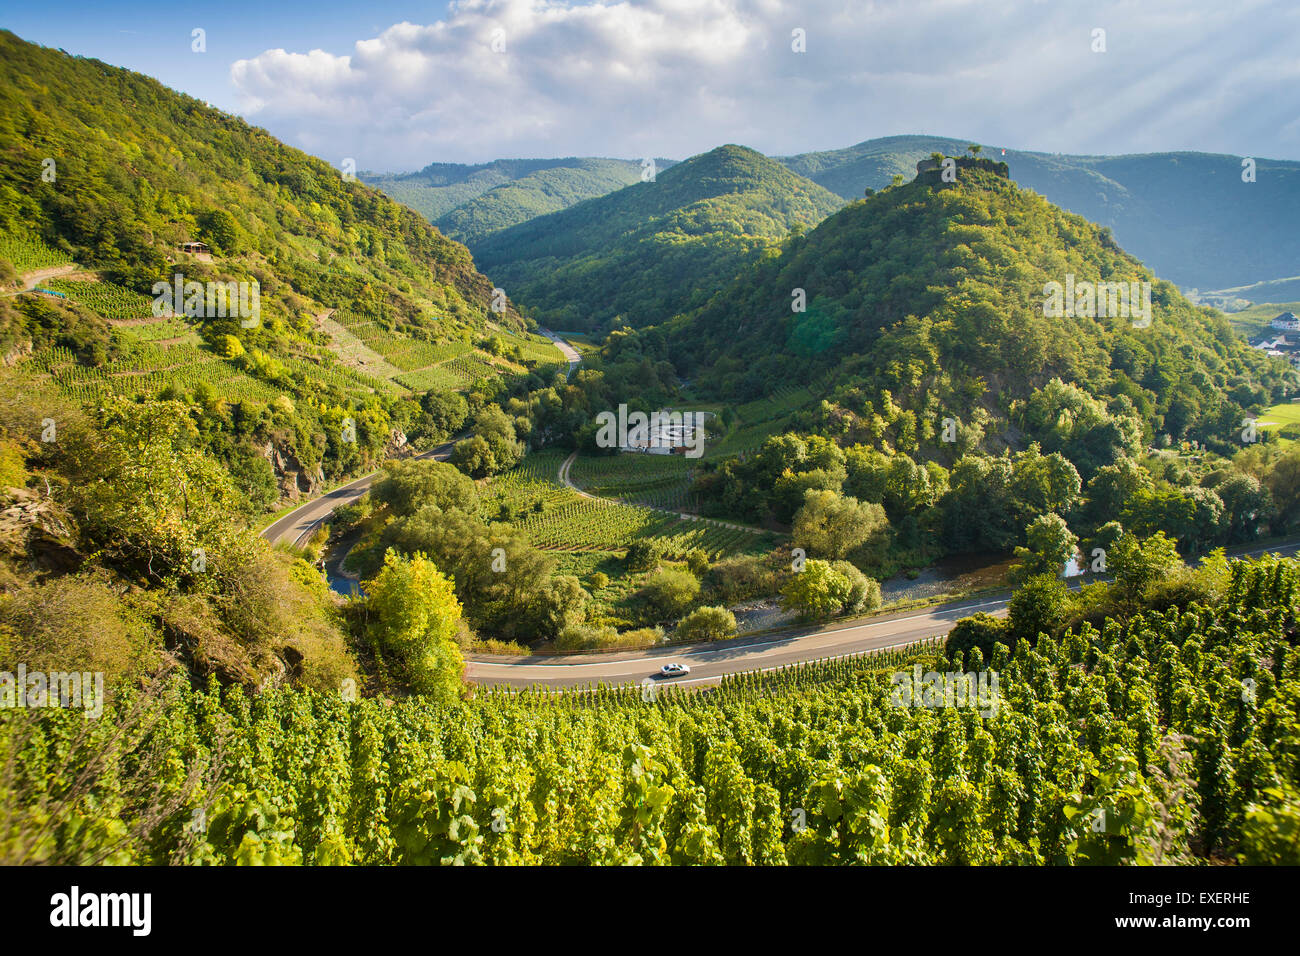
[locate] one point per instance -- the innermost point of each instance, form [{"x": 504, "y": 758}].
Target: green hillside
[
  {"x": 1187, "y": 215},
  {"x": 935, "y": 292},
  {"x": 538, "y": 193},
  {"x": 656, "y": 248},
  {"x": 105, "y": 173}
]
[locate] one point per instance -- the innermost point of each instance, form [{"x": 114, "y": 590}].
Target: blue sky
[{"x": 398, "y": 85}]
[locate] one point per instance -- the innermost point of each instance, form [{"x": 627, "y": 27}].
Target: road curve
[
  {"x": 709, "y": 663},
  {"x": 570, "y": 353},
  {"x": 298, "y": 525}
]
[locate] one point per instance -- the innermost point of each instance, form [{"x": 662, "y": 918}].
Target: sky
[{"x": 394, "y": 86}]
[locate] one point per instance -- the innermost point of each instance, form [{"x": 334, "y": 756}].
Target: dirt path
[{"x": 32, "y": 279}]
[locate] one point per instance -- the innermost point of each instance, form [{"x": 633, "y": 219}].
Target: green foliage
[
  {"x": 829, "y": 525},
  {"x": 707, "y": 624},
  {"x": 1130, "y": 744},
  {"x": 413, "y": 619},
  {"x": 822, "y": 590}
]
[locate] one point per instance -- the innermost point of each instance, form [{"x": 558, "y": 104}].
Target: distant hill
[
  {"x": 469, "y": 202},
  {"x": 926, "y": 300},
  {"x": 653, "y": 249},
  {"x": 1187, "y": 215}
]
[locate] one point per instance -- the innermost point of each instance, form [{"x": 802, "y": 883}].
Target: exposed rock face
[
  {"x": 295, "y": 479},
  {"x": 396, "y": 447}
]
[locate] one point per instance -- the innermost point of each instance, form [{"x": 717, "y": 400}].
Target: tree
[
  {"x": 830, "y": 525},
  {"x": 1136, "y": 565},
  {"x": 863, "y": 593},
  {"x": 220, "y": 230},
  {"x": 1040, "y": 605},
  {"x": 817, "y": 592},
  {"x": 668, "y": 593},
  {"x": 642, "y": 555},
  {"x": 707, "y": 624},
  {"x": 1050, "y": 545},
  {"x": 493, "y": 448},
  {"x": 412, "y": 619},
  {"x": 981, "y": 630},
  {"x": 407, "y": 486}
]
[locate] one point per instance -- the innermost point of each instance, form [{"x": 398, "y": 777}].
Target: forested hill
[
  {"x": 364, "y": 306},
  {"x": 927, "y": 300},
  {"x": 135, "y": 168},
  {"x": 469, "y": 203},
  {"x": 656, "y": 248},
  {"x": 1189, "y": 216}
]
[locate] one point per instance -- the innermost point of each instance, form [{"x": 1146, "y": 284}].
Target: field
[
  {"x": 556, "y": 518},
  {"x": 1284, "y": 420}
]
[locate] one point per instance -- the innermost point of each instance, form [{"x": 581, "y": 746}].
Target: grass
[
  {"x": 1283, "y": 419},
  {"x": 1252, "y": 323}
]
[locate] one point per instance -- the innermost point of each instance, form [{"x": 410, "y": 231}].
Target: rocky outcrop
[{"x": 294, "y": 478}]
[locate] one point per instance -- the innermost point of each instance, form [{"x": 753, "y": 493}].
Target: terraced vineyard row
[
  {"x": 159, "y": 331},
  {"x": 405, "y": 353},
  {"x": 29, "y": 253},
  {"x": 182, "y": 365},
  {"x": 659, "y": 481},
  {"x": 107, "y": 299}
]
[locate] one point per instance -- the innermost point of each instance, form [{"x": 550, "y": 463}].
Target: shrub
[
  {"x": 642, "y": 556},
  {"x": 740, "y": 578},
  {"x": 707, "y": 624},
  {"x": 980, "y": 630},
  {"x": 668, "y": 593}
]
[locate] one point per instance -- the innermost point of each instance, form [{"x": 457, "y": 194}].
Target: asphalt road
[
  {"x": 710, "y": 662},
  {"x": 298, "y": 525}
]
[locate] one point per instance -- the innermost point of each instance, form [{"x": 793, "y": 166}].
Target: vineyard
[
  {"x": 149, "y": 370},
  {"x": 1167, "y": 739},
  {"x": 111, "y": 301},
  {"x": 657, "y": 481},
  {"x": 557, "y": 518},
  {"x": 28, "y": 253}
]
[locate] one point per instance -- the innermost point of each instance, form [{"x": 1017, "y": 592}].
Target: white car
[{"x": 673, "y": 670}]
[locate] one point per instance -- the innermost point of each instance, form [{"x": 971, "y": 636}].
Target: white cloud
[{"x": 675, "y": 77}]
